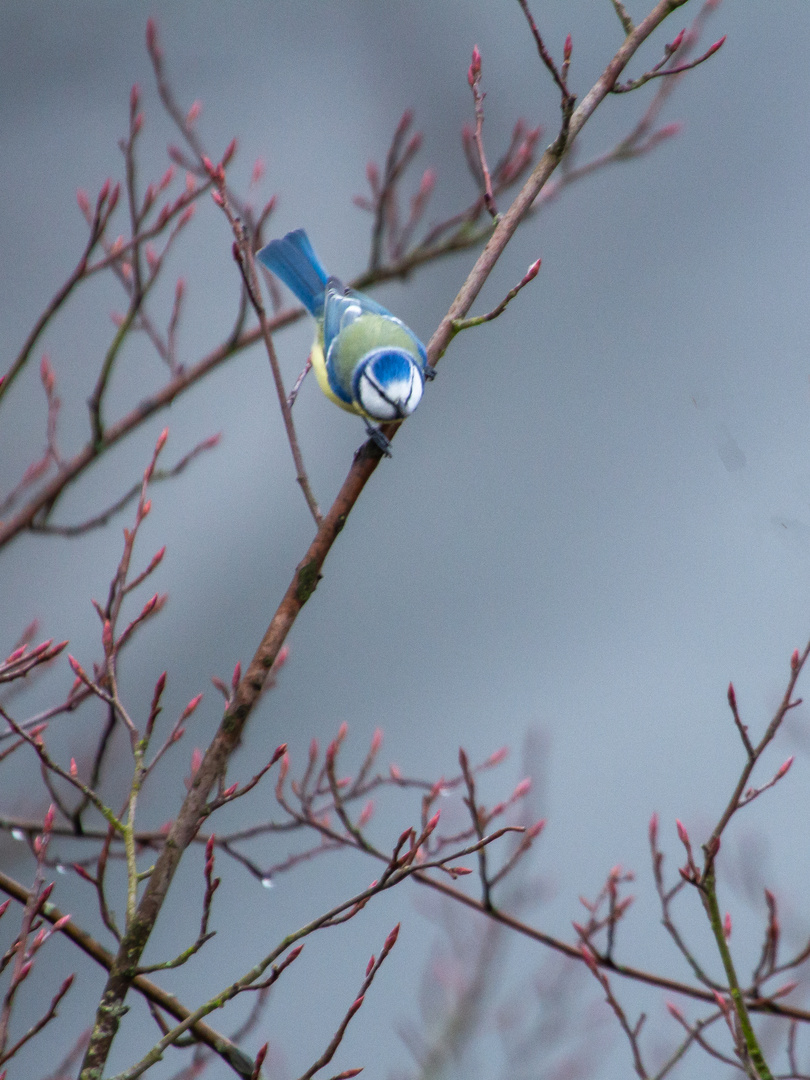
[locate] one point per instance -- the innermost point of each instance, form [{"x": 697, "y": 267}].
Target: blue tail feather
[{"x": 293, "y": 260}]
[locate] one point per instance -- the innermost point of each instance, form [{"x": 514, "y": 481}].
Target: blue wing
[{"x": 294, "y": 261}]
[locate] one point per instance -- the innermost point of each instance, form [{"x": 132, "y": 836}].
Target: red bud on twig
[
  {"x": 717, "y": 45},
  {"x": 437, "y": 789},
  {"x": 653, "y": 829},
  {"x": 587, "y": 956},
  {"x": 669, "y": 131},
  {"x": 78, "y": 669},
  {"x": 46, "y": 374},
  {"x": 258, "y": 171},
  {"x": 722, "y": 1004},
  {"x": 784, "y": 768},
  {"x": 192, "y": 705},
  {"x": 474, "y": 70},
  {"x": 391, "y": 940},
  {"x": 259, "y": 1061},
  {"x": 152, "y": 260},
  {"x": 151, "y": 37},
  {"x": 414, "y": 143},
  {"x": 150, "y": 604}
]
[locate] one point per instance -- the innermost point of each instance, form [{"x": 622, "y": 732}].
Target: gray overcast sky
[{"x": 599, "y": 515}]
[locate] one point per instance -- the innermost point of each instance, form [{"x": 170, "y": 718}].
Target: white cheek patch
[
  {"x": 373, "y": 401},
  {"x": 414, "y": 395}
]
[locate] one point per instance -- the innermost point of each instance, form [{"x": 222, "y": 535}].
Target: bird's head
[{"x": 388, "y": 384}]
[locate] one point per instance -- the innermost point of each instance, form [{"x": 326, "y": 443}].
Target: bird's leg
[{"x": 378, "y": 439}]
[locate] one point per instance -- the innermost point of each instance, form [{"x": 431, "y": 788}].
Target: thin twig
[
  {"x": 243, "y": 254},
  {"x": 474, "y": 79},
  {"x": 478, "y": 320}
]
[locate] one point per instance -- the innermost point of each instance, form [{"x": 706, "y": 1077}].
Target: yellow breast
[{"x": 319, "y": 366}]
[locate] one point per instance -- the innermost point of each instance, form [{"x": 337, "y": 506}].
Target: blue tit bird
[{"x": 366, "y": 360}]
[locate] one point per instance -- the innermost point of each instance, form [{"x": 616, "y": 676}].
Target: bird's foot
[{"x": 379, "y": 439}]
